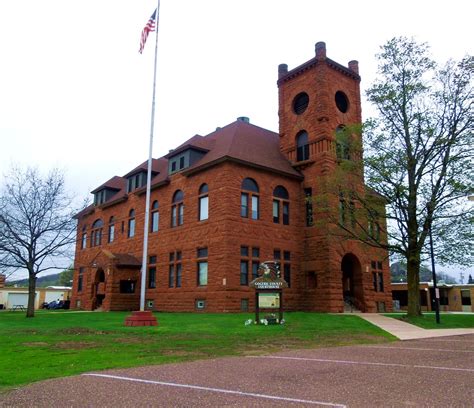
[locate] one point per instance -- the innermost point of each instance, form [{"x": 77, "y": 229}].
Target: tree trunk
[
  {"x": 413, "y": 281},
  {"x": 30, "y": 311}
]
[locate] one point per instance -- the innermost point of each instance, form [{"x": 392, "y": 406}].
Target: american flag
[{"x": 149, "y": 26}]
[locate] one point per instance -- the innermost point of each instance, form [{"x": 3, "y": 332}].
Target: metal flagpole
[{"x": 148, "y": 178}]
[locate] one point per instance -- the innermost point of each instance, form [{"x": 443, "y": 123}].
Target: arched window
[
  {"x": 342, "y": 144},
  {"x": 96, "y": 233},
  {"x": 111, "y": 230},
  {"x": 203, "y": 203},
  {"x": 249, "y": 199},
  {"x": 131, "y": 224},
  {"x": 302, "y": 146},
  {"x": 84, "y": 237},
  {"x": 177, "y": 209},
  {"x": 281, "y": 205},
  {"x": 155, "y": 217}
]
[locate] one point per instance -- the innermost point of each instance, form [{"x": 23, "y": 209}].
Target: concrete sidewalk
[{"x": 406, "y": 331}]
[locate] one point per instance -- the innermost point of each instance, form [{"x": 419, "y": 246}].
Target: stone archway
[{"x": 352, "y": 291}]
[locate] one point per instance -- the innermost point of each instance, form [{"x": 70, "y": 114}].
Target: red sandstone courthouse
[{"x": 223, "y": 203}]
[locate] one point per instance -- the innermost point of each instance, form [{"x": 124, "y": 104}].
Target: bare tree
[{"x": 36, "y": 225}]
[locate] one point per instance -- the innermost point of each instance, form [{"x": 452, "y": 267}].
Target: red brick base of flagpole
[{"x": 140, "y": 318}]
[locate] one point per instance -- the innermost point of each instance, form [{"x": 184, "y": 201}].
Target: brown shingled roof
[
  {"x": 115, "y": 183},
  {"x": 197, "y": 142},
  {"x": 246, "y": 143}
]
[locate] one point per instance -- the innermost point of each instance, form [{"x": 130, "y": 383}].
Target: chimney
[
  {"x": 282, "y": 70},
  {"x": 243, "y": 119},
  {"x": 354, "y": 66},
  {"x": 320, "y": 49},
  {"x": 2, "y": 280}
]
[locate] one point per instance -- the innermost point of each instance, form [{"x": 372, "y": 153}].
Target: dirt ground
[{"x": 437, "y": 372}]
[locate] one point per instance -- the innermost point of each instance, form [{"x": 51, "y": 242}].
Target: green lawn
[
  {"x": 447, "y": 320},
  {"x": 66, "y": 343}
]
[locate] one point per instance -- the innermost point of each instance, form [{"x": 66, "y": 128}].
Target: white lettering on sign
[{"x": 268, "y": 285}]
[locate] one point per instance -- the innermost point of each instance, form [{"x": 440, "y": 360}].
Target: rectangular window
[
  {"x": 127, "y": 286},
  {"x": 244, "y": 305},
  {"x": 251, "y": 256},
  {"x": 255, "y": 207},
  {"x": 174, "y": 220},
  {"x": 255, "y": 265},
  {"x": 286, "y": 264},
  {"x": 202, "y": 253},
  {"x": 111, "y": 233},
  {"x": 152, "y": 260},
  {"x": 178, "y": 275},
  {"x": 342, "y": 210},
  {"x": 286, "y": 213},
  {"x": 174, "y": 270},
  {"x": 181, "y": 162},
  {"x": 79, "y": 282},
  {"x": 152, "y": 277},
  {"x": 173, "y": 166},
  {"x": 244, "y": 273},
  {"x": 287, "y": 273},
  {"x": 84, "y": 241},
  {"x": 381, "y": 288},
  {"x": 155, "y": 220},
  {"x": 308, "y": 195},
  {"x": 131, "y": 227},
  {"x": 203, "y": 208},
  {"x": 180, "y": 214},
  {"x": 377, "y": 276},
  {"x": 276, "y": 211},
  {"x": 244, "y": 205},
  {"x": 171, "y": 277},
  {"x": 202, "y": 266},
  {"x": 202, "y": 273}
]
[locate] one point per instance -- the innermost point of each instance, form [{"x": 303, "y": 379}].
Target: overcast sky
[{"x": 76, "y": 94}]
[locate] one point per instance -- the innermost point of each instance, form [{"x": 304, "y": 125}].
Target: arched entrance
[
  {"x": 99, "y": 288},
  {"x": 351, "y": 272}
]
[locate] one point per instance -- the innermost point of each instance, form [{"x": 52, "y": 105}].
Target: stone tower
[{"x": 317, "y": 101}]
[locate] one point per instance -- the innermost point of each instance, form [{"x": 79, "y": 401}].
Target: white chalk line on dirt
[
  {"x": 419, "y": 349},
  {"x": 323, "y": 360},
  {"x": 217, "y": 390}
]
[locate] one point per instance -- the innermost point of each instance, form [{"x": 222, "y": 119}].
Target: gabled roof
[
  {"x": 144, "y": 167},
  {"x": 115, "y": 183},
  {"x": 197, "y": 142}
]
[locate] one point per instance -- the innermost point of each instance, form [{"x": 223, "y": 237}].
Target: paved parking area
[{"x": 435, "y": 372}]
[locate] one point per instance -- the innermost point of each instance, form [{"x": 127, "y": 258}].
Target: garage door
[{"x": 16, "y": 299}]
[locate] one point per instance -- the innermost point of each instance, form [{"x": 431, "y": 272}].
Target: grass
[
  {"x": 447, "y": 320},
  {"x": 58, "y": 344}
]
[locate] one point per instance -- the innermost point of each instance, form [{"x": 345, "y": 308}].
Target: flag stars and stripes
[{"x": 149, "y": 27}]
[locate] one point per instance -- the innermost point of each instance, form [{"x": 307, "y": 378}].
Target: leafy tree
[
  {"x": 398, "y": 272},
  {"x": 36, "y": 225},
  {"x": 65, "y": 277},
  {"x": 419, "y": 155},
  {"x": 470, "y": 281},
  {"x": 417, "y": 163}
]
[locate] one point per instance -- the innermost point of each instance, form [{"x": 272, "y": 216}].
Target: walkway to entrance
[{"x": 406, "y": 331}]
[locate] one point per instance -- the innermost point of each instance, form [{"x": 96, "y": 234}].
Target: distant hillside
[{"x": 57, "y": 279}]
